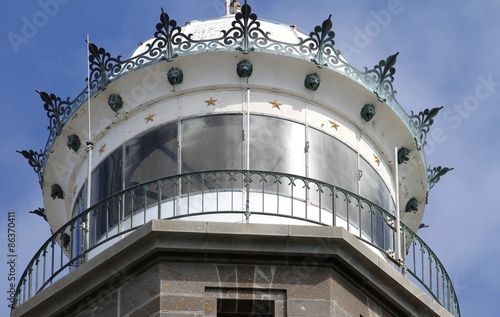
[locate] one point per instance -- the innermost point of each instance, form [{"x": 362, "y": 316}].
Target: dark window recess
[{"x": 245, "y": 308}]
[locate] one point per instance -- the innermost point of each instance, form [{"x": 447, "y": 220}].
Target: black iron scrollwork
[
  {"x": 434, "y": 174},
  {"x": 40, "y": 212},
  {"x": 165, "y": 34},
  {"x": 101, "y": 63},
  {"x": 381, "y": 78},
  {"x": 58, "y": 111},
  {"x": 245, "y": 35},
  {"x": 35, "y": 160},
  {"x": 421, "y": 125},
  {"x": 322, "y": 41}
]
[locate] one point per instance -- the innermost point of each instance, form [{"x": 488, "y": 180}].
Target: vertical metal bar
[
  {"x": 319, "y": 198},
  {"x": 44, "y": 266},
  {"x": 160, "y": 195},
  {"x": 52, "y": 262},
  {"x": 36, "y": 273},
  {"x": 203, "y": 175},
  {"x": 404, "y": 256},
  {"x": 347, "y": 211},
  {"x": 175, "y": 192},
  {"x": 334, "y": 216},
  {"x": 398, "y": 221},
  {"x": 360, "y": 223},
  {"x": 423, "y": 260}
]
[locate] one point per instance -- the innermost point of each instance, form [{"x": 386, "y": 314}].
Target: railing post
[{"x": 247, "y": 203}]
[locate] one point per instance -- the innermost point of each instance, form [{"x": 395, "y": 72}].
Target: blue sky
[{"x": 448, "y": 57}]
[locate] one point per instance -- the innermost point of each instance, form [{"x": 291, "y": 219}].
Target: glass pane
[
  {"x": 106, "y": 180},
  {"x": 332, "y": 161},
  {"x": 151, "y": 156},
  {"x": 372, "y": 187},
  {"x": 211, "y": 143},
  {"x": 277, "y": 145},
  {"x": 107, "y": 177}
]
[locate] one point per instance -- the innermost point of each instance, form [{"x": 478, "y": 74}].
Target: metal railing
[{"x": 242, "y": 194}]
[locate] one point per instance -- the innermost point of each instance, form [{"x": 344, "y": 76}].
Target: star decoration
[
  {"x": 102, "y": 148},
  {"x": 276, "y": 104},
  {"x": 150, "y": 117},
  {"x": 334, "y": 125},
  {"x": 211, "y": 102},
  {"x": 377, "y": 159}
]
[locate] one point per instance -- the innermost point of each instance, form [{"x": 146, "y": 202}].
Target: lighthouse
[{"x": 234, "y": 167}]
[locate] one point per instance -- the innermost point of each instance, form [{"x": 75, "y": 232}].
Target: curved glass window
[
  {"x": 218, "y": 142},
  {"x": 332, "y": 161},
  {"x": 212, "y": 142},
  {"x": 152, "y": 155},
  {"x": 106, "y": 180},
  {"x": 372, "y": 187},
  {"x": 277, "y": 145}
]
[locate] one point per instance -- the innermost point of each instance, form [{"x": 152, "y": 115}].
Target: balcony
[{"x": 235, "y": 196}]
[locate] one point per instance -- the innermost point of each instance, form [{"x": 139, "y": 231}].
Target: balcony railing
[{"x": 244, "y": 194}]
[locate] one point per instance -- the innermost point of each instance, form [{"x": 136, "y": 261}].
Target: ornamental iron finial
[
  {"x": 421, "y": 124},
  {"x": 246, "y": 20},
  {"x": 35, "y": 160},
  {"x": 166, "y": 31},
  {"x": 381, "y": 77},
  {"x": 57, "y": 110},
  {"x": 434, "y": 174},
  {"x": 40, "y": 212},
  {"x": 101, "y": 63},
  {"x": 322, "y": 40}
]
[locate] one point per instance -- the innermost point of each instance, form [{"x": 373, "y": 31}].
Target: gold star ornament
[
  {"x": 102, "y": 149},
  {"x": 150, "y": 117},
  {"x": 276, "y": 104},
  {"x": 211, "y": 102},
  {"x": 334, "y": 125},
  {"x": 377, "y": 159}
]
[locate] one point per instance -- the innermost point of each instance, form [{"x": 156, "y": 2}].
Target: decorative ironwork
[
  {"x": 58, "y": 111},
  {"x": 312, "y": 82},
  {"x": 381, "y": 78},
  {"x": 35, "y": 160},
  {"x": 101, "y": 63},
  {"x": 40, "y": 212},
  {"x": 322, "y": 40},
  {"x": 249, "y": 187},
  {"x": 245, "y": 34},
  {"x": 421, "y": 125},
  {"x": 434, "y": 175}
]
